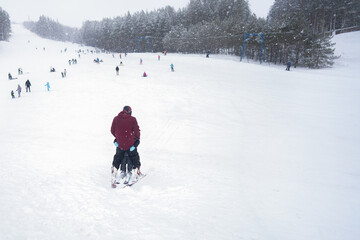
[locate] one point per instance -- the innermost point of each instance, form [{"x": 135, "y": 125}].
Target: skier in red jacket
[{"x": 126, "y": 131}]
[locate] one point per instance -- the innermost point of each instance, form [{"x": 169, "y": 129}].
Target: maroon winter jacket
[{"x": 125, "y": 129}]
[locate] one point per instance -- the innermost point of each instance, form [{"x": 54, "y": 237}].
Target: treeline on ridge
[{"x": 295, "y": 30}]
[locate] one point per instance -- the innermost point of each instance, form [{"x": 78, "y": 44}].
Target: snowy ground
[{"x": 232, "y": 150}]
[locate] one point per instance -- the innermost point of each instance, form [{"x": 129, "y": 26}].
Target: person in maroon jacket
[{"x": 126, "y": 131}]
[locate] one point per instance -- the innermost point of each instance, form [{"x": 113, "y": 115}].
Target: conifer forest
[{"x": 299, "y": 31}]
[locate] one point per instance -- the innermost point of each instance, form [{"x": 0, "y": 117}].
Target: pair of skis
[{"x": 138, "y": 176}]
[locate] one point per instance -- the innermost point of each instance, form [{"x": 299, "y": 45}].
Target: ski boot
[
  {"x": 122, "y": 177},
  {"x": 127, "y": 178},
  {"x": 113, "y": 176},
  {"x": 138, "y": 172}
]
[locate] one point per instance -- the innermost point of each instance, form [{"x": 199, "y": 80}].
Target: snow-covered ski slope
[{"x": 231, "y": 150}]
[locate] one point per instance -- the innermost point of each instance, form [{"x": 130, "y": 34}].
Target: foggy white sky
[
  {"x": 74, "y": 12},
  {"x": 260, "y": 7}
]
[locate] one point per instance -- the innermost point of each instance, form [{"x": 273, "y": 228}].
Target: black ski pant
[{"x": 129, "y": 158}]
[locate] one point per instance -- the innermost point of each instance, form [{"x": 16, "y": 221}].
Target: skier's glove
[
  {"x": 136, "y": 143},
  {"x": 132, "y": 148},
  {"x": 115, "y": 143}
]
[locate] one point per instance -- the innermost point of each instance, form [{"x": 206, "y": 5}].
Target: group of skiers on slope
[
  {"x": 141, "y": 62},
  {"x": 63, "y": 74},
  {"x": 126, "y": 131},
  {"x": 28, "y": 88},
  {"x": 73, "y": 61},
  {"x": 20, "y": 72},
  {"x": 27, "y": 85},
  {"x": 97, "y": 60}
]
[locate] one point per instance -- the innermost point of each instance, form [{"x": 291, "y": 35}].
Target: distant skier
[
  {"x": 117, "y": 70},
  {"x": 288, "y": 66},
  {"x": 28, "y": 85},
  {"x": 64, "y": 72},
  {"x": 18, "y": 90},
  {"x": 208, "y": 54},
  {"x": 172, "y": 67},
  {"x": 158, "y": 57},
  {"x": 47, "y": 86},
  {"x": 11, "y": 77},
  {"x": 144, "y": 74},
  {"x": 12, "y": 94},
  {"x": 126, "y": 131},
  {"x": 141, "y": 61}
]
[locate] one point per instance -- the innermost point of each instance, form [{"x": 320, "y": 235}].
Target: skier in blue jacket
[
  {"x": 288, "y": 66},
  {"x": 47, "y": 86}
]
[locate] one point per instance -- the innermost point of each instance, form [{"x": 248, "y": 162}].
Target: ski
[
  {"x": 121, "y": 184},
  {"x": 134, "y": 181}
]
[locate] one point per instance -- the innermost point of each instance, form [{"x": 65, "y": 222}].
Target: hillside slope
[{"x": 232, "y": 150}]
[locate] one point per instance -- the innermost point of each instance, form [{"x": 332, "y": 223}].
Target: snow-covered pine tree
[
  {"x": 5, "y": 26},
  {"x": 298, "y": 33},
  {"x": 319, "y": 53}
]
